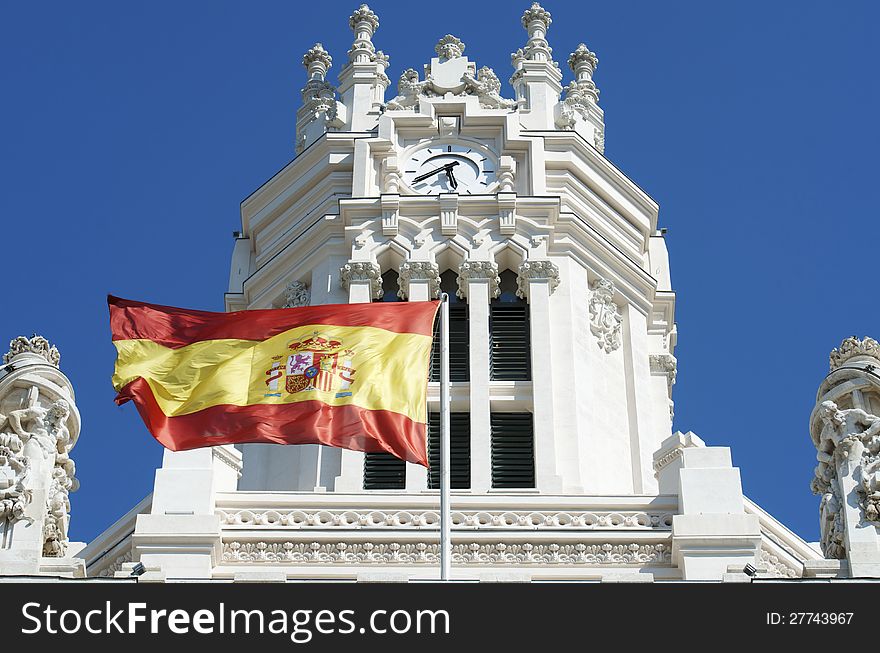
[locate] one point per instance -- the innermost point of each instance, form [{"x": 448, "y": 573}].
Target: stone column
[
  {"x": 419, "y": 282},
  {"x": 363, "y": 282},
  {"x": 39, "y": 425},
  {"x": 536, "y": 282},
  {"x": 478, "y": 282}
]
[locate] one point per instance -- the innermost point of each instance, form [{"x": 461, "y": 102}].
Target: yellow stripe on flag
[{"x": 367, "y": 367}]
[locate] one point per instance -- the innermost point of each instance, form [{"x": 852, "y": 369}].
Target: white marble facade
[{"x": 617, "y": 495}]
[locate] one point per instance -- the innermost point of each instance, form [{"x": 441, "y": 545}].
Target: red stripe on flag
[
  {"x": 304, "y": 422},
  {"x": 177, "y": 327}
]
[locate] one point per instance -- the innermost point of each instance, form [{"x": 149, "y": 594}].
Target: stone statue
[{"x": 851, "y": 434}]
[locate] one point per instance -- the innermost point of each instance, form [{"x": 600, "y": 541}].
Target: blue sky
[{"x": 130, "y": 133}]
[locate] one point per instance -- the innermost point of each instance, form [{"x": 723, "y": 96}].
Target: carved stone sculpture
[
  {"x": 419, "y": 271},
  {"x": 296, "y": 294},
  {"x": 605, "y": 317},
  {"x": 536, "y": 270},
  {"x": 479, "y": 270},
  {"x": 846, "y": 435},
  {"x": 362, "y": 271}
]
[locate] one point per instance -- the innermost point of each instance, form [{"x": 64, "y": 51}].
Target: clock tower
[{"x": 564, "y": 463}]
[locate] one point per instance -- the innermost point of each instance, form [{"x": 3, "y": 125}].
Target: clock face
[{"x": 450, "y": 168}]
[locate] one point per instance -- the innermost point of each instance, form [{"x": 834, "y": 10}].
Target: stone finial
[
  {"x": 33, "y": 345},
  {"x": 536, "y": 17},
  {"x": 581, "y": 58},
  {"x": 317, "y": 61},
  {"x": 536, "y": 20},
  {"x": 296, "y": 294},
  {"x": 449, "y": 47},
  {"x": 853, "y": 348},
  {"x": 363, "y": 23},
  {"x": 363, "y": 17}
]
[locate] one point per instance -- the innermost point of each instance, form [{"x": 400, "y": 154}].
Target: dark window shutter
[
  {"x": 382, "y": 471},
  {"x": 510, "y": 357},
  {"x": 459, "y": 333},
  {"x": 513, "y": 450},
  {"x": 460, "y": 436}
]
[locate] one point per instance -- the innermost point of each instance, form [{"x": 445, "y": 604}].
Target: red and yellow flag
[{"x": 345, "y": 375}]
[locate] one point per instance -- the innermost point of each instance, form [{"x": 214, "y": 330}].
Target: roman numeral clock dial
[{"x": 450, "y": 168}]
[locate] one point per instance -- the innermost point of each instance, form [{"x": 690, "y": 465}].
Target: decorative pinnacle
[
  {"x": 582, "y": 56},
  {"x": 536, "y": 13},
  {"x": 449, "y": 47},
  {"x": 852, "y": 347},
  {"x": 317, "y": 55},
  {"x": 363, "y": 14},
  {"x": 33, "y": 345}
]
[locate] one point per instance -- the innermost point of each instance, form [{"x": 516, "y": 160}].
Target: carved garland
[
  {"x": 431, "y": 519},
  {"x": 425, "y": 553}
]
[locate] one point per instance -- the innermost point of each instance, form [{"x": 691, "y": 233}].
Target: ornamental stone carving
[
  {"x": 485, "y": 85},
  {"x": 427, "y": 553},
  {"x": 475, "y": 270},
  {"x": 418, "y": 271},
  {"x": 296, "y": 294},
  {"x": 605, "y": 316},
  {"x": 359, "y": 271},
  {"x": 482, "y": 519},
  {"x": 666, "y": 365},
  {"x": 449, "y": 47},
  {"x": 846, "y": 440},
  {"x": 33, "y": 345},
  {"x": 533, "y": 270},
  {"x": 855, "y": 351},
  {"x": 26, "y": 434}
]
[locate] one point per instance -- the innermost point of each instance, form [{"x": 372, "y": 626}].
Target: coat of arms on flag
[{"x": 315, "y": 363}]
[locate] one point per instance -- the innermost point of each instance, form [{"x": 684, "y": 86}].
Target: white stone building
[{"x": 564, "y": 463}]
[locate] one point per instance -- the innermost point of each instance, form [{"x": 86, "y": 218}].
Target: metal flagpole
[{"x": 445, "y": 456}]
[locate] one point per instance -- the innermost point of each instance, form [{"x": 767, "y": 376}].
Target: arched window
[
  {"x": 382, "y": 471},
  {"x": 509, "y": 337},
  {"x": 459, "y": 333}
]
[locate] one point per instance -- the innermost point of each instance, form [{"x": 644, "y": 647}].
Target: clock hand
[
  {"x": 434, "y": 172},
  {"x": 451, "y": 178}
]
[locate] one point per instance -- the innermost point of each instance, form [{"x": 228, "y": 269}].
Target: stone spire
[
  {"x": 363, "y": 81},
  {"x": 319, "y": 112},
  {"x": 583, "y": 64},
  {"x": 580, "y": 109},
  {"x": 536, "y": 79}
]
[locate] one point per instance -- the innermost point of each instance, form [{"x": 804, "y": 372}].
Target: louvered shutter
[
  {"x": 382, "y": 471},
  {"x": 459, "y": 333},
  {"x": 509, "y": 335},
  {"x": 513, "y": 450},
  {"x": 460, "y": 436}
]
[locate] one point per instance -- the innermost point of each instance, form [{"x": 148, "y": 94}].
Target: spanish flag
[{"x": 345, "y": 375}]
